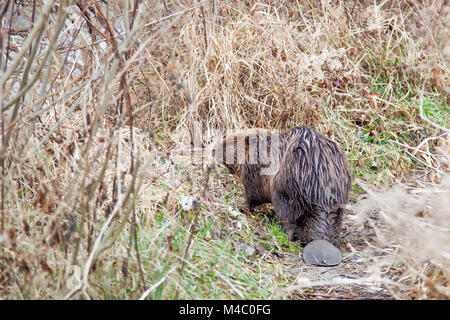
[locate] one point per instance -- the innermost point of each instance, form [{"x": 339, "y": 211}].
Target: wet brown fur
[{"x": 309, "y": 188}]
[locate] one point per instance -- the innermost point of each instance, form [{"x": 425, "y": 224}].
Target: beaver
[{"x": 303, "y": 174}]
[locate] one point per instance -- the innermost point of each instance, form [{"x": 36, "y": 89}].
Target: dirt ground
[{"x": 354, "y": 278}]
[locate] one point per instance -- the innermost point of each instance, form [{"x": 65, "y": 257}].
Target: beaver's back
[{"x": 313, "y": 169}]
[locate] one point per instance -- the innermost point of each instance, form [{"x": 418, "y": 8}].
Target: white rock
[
  {"x": 248, "y": 251},
  {"x": 233, "y": 212},
  {"x": 188, "y": 203}
]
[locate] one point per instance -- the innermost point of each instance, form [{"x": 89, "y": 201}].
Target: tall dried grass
[
  {"x": 95, "y": 95},
  {"x": 414, "y": 234}
]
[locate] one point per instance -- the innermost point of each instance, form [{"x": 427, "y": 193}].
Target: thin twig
[
  {"x": 157, "y": 284},
  {"x": 4, "y": 47},
  {"x": 239, "y": 293},
  {"x": 136, "y": 247},
  {"x": 191, "y": 234},
  {"x": 204, "y": 29},
  {"x": 177, "y": 13}
]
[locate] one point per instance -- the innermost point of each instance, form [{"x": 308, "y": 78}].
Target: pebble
[
  {"x": 188, "y": 203},
  {"x": 234, "y": 212},
  {"x": 321, "y": 253},
  {"x": 246, "y": 250}
]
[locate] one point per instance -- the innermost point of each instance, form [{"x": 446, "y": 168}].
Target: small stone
[
  {"x": 246, "y": 250},
  {"x": 374, "y": 165},
  {"x": 233, "y": 211},
  {"x": 321, "y": 253},
  {"x": 188, "y": 203}
]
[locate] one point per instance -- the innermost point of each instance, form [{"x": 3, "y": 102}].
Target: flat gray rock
[
  {"x": 246, "y": 250},
  {"x": 321, "y": 253}
]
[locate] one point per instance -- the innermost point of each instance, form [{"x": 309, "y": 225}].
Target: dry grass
[
  {"x": 97, "y": 100},
  {"x": 414, "y": 226}
]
